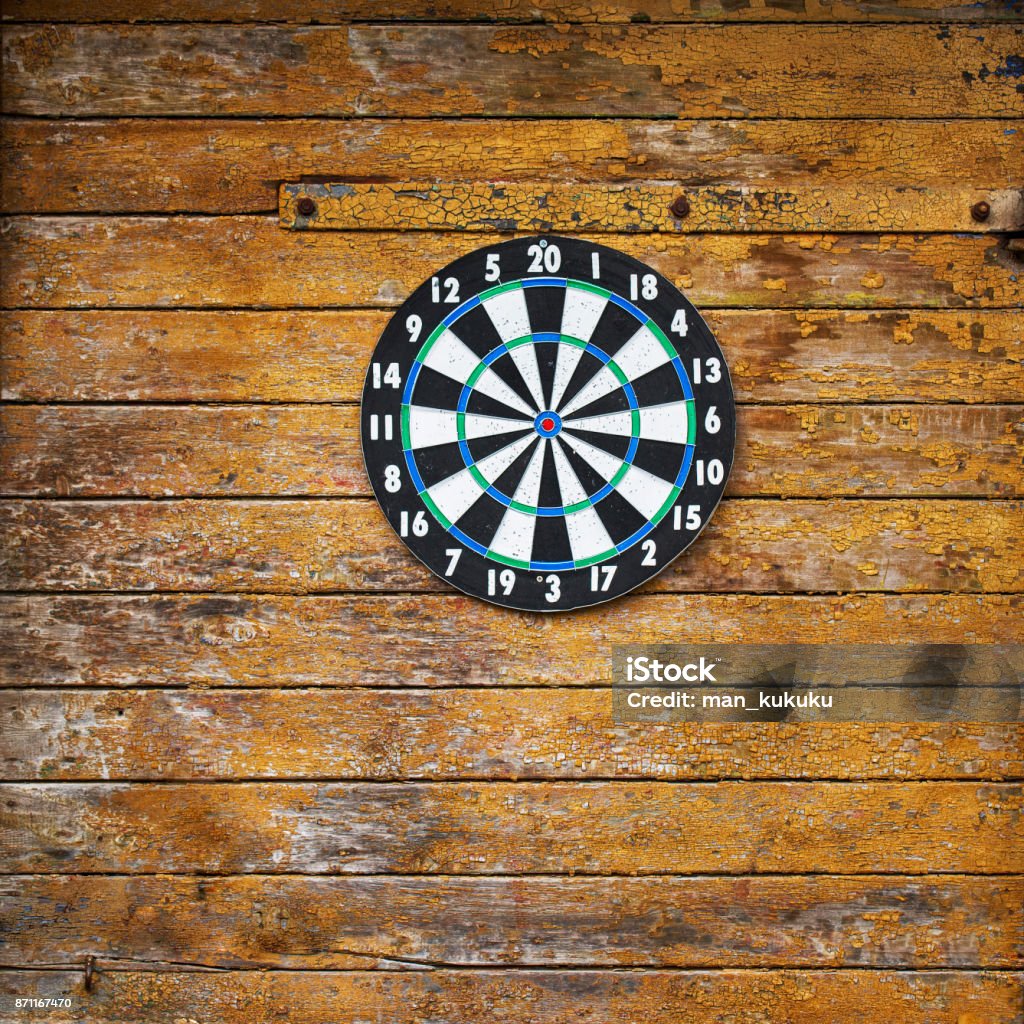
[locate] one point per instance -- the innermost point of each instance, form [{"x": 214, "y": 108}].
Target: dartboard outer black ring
[{"x": 547, "y": 423}]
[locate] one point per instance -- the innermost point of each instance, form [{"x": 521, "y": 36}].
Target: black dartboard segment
[{"x": 547, "y": 423}]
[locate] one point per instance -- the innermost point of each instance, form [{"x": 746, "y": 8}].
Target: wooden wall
[{"x": 259, "y": 765}]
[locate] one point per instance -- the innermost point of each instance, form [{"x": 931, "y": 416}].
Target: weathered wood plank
[
  {"x": 194, "y": 451},
  {"x": 753, "y": 546},
  {"x": 788, "y": 70},
  {"x": 137, "y": 996},
  {"x": 630, "y": 828},
  {"x": 333, "y": 641},
  {"x": 196, "y": 261},
  {"x": 225, "y": 166},
  {"x": 559, "y": 11},
  {"x": 321, "y": 356},
  {"x": 138, "y": 735},
  {"x": 641, "y": 207},
  {"x": 310, "y": 922}
]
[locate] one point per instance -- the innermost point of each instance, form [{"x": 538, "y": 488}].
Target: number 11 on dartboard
[{"x": 547, "y": 423}]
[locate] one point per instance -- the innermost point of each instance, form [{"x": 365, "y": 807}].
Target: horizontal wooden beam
[
  {"x": 641, "y": 208},
  {"x": 629, "y": 828},
  {"x": 119, "y": 994},
  {"x": 249, "y": 261},
  {"x": 344, "y": 923},
  {"x": 247, "y": 451},
  {"x": 253, "y": 641},
  {"x": 396, "y": 70},
  {"x": 540, "y": 733},
  {"x": 321, "y": 356},
  {"x": 578, "y": 11},
  {"x": 903, "y": 171},
  {"x": 251, "y": 546}
]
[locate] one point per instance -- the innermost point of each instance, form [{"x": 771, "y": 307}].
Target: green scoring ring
[{"x": 616, "y": 370}]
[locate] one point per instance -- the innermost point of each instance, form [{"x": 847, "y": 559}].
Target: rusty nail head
[
  {"x": 980, "y": 211},
  {"x": 680, "y": 206},
  {"x": 306, "y": 207},
  {"x": 90, "y": 965}
]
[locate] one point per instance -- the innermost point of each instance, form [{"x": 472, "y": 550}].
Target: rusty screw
[
  {"x": 306, "y": 206},
  {"x": 980, "y": 211},
  {"x": 680, "y": 206}
]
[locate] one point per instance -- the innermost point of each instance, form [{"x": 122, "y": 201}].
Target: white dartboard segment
[
  {"x": 604, "y": 382},
  {"x": 618, "y": 423},
  {"x": 492, "y": 426},
  {"x": 606, "y": 464},
  {"x": 432, "y": 426},
  {"x": 665, "y": 422},
  {"x": 581, "y": 312},
  {"x": 508, "y": 313},
  {"x": 567, "y": 360}
]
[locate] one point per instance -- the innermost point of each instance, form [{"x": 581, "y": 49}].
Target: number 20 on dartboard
[{"x": 547, "y": 423}]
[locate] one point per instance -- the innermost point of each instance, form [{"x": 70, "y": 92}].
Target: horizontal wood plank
[
  {"x": 138, "y": 735},
  {"x": 630, "y": 828},
  {"x": 234, "y": 166},
  {"x": 395, "y": 70},
  {"x": 751, "y": 546},
  {"x": 121, "y": 995},
  {"x": 249, "y": 261},
  {"x": 421, "y": 641},
  {"x": 559, "y": 11},
  {"x": 192, "y": 451},
  {"x": 340, "y": 923},
  {"x": 321, "y": 356},
  {"x": 640, "y": 208}
]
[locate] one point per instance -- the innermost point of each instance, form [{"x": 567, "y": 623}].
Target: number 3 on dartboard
[{"x": 547, "y": 423}]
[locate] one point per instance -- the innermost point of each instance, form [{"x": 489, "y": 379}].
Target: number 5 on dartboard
[{"x": 547, "y": 423}]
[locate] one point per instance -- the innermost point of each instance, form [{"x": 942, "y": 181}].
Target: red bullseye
[{"x": 547, "y": 424}]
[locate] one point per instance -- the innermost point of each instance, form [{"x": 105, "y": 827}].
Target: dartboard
[{"x": 547, "y": 423}]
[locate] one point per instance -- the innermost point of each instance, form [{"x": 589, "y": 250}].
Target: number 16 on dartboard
[{"x": 547, "y": 423}]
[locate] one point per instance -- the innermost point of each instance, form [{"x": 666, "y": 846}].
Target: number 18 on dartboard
[{"x": 547, "y": 423}]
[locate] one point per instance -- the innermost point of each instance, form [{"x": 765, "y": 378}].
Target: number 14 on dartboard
[{"x": 547, "y": 423}]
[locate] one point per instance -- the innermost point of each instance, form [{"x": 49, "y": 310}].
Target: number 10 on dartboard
[{"x": 547, "y": 423}]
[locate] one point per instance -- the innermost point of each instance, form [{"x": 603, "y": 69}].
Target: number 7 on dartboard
[{"x": 547, "y": 423}]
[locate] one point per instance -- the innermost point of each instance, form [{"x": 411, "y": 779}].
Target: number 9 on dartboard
[{"x": 547, "y": 423}]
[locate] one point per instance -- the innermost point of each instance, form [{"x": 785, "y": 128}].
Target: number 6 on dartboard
[{"x": 547, "y": 423}]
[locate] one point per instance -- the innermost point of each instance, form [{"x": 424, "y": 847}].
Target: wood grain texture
[
  {"x": 410, "y": 780},
  {"x": 632, "y": 828},
  {"x": 640, "y": 207},
  {"x": 792, "y": 451},
  {"x": 249, "y": 261},
  {"x": 234, "y": 166},
  {"x": 336, "y": 922},
  {"x": 283, "y": 547},
  {"x": 421, "y": 641},
  {"x": 457, "y": 734},
  {"x": 321, "y": 356},
  {"x": 394, "y": 70},
  {"x": 124, "y": 996},
  {"x": 559, "y": 11}
]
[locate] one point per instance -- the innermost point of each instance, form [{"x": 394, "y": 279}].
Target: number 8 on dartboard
[{"x": 547, "y": 423}]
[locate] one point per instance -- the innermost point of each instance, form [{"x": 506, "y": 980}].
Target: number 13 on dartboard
[{"x": 547, "y": 423}]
